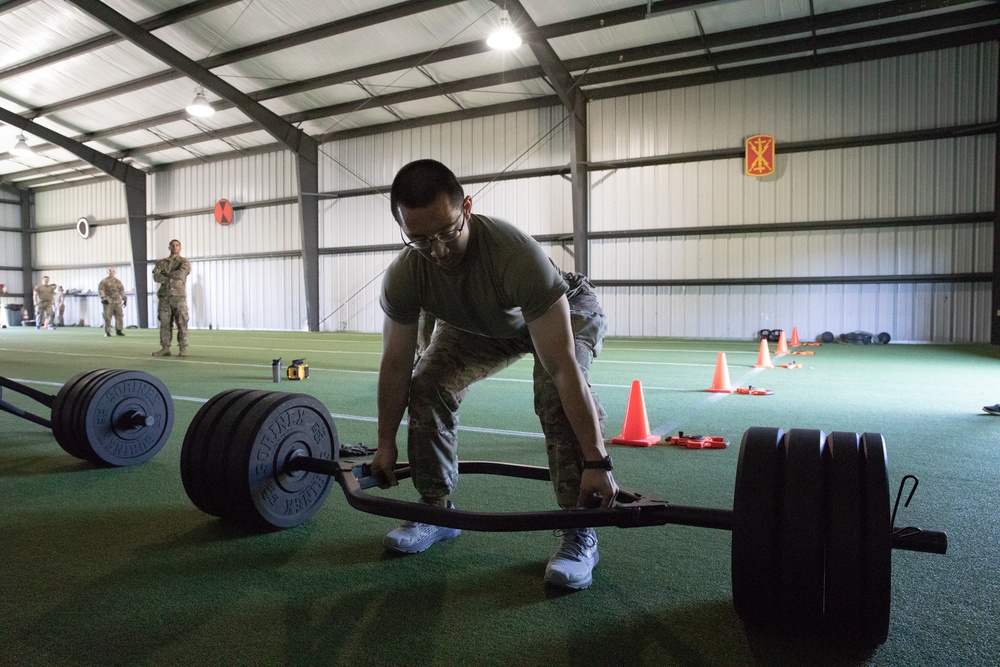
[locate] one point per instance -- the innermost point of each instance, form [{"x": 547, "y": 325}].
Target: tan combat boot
[
  {"x": 183, "y": 352},
  {"x": 162, "y": 352}
]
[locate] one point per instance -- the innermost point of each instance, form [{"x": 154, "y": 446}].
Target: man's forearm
[
  {"x": 581, "y": 412},
  {"x": 393, "y": 397}
]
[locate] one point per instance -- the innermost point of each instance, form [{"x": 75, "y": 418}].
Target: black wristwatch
[{"x": 602, "y": 464}]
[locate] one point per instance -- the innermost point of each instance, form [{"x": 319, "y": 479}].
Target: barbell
[
  {"x": 112, "y": 417},
  {"x": 811, "y": 529}
]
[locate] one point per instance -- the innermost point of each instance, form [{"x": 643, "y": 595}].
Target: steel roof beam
[
  {"x": 169, "y": 17},
  {"x": 364, "y": 20}
]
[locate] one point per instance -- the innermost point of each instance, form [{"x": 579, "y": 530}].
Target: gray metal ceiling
[{"x": 333, "y": 67}]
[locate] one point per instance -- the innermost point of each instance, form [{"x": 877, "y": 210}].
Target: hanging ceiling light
[
  {"x": 21, "y": 148},
  {"x": 199, "y": 105},
  {"x": 504, "y": 37}
]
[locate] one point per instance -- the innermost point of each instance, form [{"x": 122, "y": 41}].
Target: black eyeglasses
[{"x": 443, "y": 237}]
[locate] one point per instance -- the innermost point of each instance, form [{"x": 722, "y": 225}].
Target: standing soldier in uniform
[
  {"x": 112, "y": 294},
  {"x": 171, "y": 273},
  {"x": 44, "y": 294}
]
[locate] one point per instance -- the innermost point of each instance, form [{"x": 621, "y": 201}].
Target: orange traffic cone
[
  {"x": 764, "y": 358},
  {"x": 721, "y": 381},
  {"x": 794, "y": 342},
  {"x": 782, "y": 345},
  {"x": 636, "y": 430}
]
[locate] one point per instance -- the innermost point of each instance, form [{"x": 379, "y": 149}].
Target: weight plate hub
[
  {"x": 127, "y": 419},
  {"x": 286, "y": 425}
]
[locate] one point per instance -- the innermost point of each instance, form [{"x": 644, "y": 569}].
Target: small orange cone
[
  {"x": 794, "y": 342},
  {"x": 721, "y": 381},
  {"x": 782, "y": 345},
  {"x": 764, "y": 358},
  {"x": 636, "y": 430}
]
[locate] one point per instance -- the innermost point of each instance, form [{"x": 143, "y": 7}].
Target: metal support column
[
  {"x": 995, "y": 310},
  {"x": 27, "y": 203},
  {"x": 135, "y": 203},
  {"x": 308, "y": 158}
]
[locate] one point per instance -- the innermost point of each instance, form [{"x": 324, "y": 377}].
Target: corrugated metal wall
[
  {"x": 10, "y": 251},
  {"x": 950, "y": 176},
  {"x": 350, "y": 283},
  {"x": 249, "y": 275}
]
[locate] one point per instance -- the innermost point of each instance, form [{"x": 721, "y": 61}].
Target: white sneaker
[
  {"x": 571, "y": 565},
  {"x": 413, "y": 537}
]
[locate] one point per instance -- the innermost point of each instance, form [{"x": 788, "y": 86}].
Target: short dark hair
[{"x": 420, "y": 183}]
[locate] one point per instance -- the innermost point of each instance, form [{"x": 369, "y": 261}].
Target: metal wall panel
[
  {"x": 935, "y": 89},
  {"x": 521, "y": 140},
  {"x": 10, "y": 248},
  {"x": 349, "y": 291},
  {"x": 251, "y": 179},
  {"x": 265, "y": 293},
  {"x": 953, "y": 176},
  {"x": 100, "y": 201},
  {"x": 108, "y": 244},
  {"x": 920, "y": 312}
]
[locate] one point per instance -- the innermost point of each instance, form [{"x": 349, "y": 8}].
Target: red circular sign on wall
[{"x": 224, "y": 212}]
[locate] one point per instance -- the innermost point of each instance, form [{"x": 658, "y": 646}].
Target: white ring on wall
[{"x": 83, "y": 227}]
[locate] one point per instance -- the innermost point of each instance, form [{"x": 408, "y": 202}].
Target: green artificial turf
[{"x": 115, "y": 566}]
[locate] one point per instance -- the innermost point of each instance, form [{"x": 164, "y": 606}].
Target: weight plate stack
[
  {"x": 203, "y": 450},
  {"x": 812, "y": 534},
  {"x": 755, "y": 526},
  {"x": 877, "y": 540},
  {"x": 800, "y": 543},
  {"x": 63, "y": 407},
  {"x": 113, "y": 417},
  {"x": 235, "y": 455},
  {"x": 844, "y": 563}
]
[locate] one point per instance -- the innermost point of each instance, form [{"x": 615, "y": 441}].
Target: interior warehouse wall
[
  {"x": 247, "y": 275},
  {"x": 79, "y": 264},
  {"x": 948, "y": 176},
  {"x": 350, "y": 281},
  {"x": 10, "y": 251}
]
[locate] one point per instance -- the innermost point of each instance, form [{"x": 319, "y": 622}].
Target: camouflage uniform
[
  {"x": 455, "y": 359},
  {"x": 112, "y": 292},
  {"x": 171, "y": 274},
  {"x": 44, "y": 294}
]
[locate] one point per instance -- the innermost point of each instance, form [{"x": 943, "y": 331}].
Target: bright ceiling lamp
[
  {"x": 21, "y": 148},
  {"x": 504, "y": 38},
  {"x": 199, "y": 105}
]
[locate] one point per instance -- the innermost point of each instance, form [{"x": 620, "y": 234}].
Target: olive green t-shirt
[{"x": 503, "y": 282}]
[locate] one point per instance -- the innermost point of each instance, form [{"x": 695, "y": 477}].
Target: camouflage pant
[
  {"x": 173, "y": 310},
  {"x": 44, "y": 315},
  {"x": 455, "y": 359},
  {"x": 113, "y": 309}
]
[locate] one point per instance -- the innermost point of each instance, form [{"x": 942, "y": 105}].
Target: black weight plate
[
  {"x": 201, "y": 482},
  {"x": 800, "y": 541},
  {"x": 276, "y": 429},
  {"x": 226, "y": 447},
  {"x": 877, "y": 540},
  {"x": 77, "y": 419},
  {"x": 66, "y": 402},
  {"x": 843, "y": 609},
  {"x": 764, "y": 333},
  {"x": 129, "y": 417},
  {"x": 755, "y": 526},
  {"x": 73, "y": 416}
]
